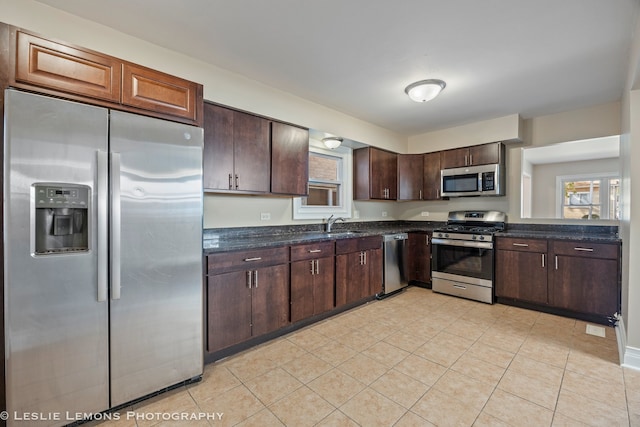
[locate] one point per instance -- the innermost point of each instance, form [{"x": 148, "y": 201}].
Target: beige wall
[
  {"x": 591, "y": 122},
  {"x": 544, "y": 201}
]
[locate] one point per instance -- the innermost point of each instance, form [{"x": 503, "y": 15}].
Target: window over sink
[{"x": 330, "y": 181}]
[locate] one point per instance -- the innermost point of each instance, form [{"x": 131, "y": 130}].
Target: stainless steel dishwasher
[{"x": 395, "y": 263}]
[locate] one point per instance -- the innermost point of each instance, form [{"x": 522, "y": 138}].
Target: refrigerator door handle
[
  {"x": 115, "y": 226},
  {"x": 103, "y": 214}
]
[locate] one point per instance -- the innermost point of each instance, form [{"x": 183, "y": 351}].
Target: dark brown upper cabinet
[
  {"x": 375, "y": 174},
  {"x": 483, "y": 154},
  {"x": 236, "y": 151},
  {"x": 289, "y": 159},
  {"x": 431, "y": 178},
  {"x": 245, "y": 153},
  {"x": 410, "y": 177}
]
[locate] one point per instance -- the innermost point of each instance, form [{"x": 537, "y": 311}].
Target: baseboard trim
[
  {"x": 629, "y": 356},
  {"x": 621, "y": 337},
  {"x": 632, "y": 358}
]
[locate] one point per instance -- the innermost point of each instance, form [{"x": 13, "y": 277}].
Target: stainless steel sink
[{"x": 341, "y": 233}]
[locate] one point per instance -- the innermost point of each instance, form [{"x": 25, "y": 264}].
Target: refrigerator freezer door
[
  {"x": 56, "y": 330},
  {"x": 156, "y": 312}
]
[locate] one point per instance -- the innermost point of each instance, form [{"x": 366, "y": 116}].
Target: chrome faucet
[{"x": 330, "y": 221}]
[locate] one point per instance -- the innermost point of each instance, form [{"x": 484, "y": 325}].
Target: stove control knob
[
  {"x": 474, "y": 237},
  {"x": 446, "y": 236},
  {"x": 481, "y": 237}
]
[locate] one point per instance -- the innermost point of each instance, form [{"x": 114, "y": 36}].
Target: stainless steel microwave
[{"x": 482, "y": 180}]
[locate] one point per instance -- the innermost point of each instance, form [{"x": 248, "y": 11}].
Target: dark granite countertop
[
  {"x": 242, "y": 238},
  {"x": 604, "y": 234},
  {"x": 231, "y": 239}
]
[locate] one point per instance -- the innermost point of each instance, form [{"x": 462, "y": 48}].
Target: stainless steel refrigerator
[{"x": 102, "y": 229}]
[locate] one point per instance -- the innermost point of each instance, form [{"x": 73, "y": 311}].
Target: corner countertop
[{"x": 601, "y": 234}]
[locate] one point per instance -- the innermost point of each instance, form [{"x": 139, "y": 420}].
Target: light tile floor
[{"x": 415, "y": 359}]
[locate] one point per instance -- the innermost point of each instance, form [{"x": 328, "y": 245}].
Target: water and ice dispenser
[{"x": 61, "y": 218}]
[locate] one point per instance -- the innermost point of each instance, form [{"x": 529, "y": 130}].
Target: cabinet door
[
  {"x": 431, "y": 179},
  {"x": 156, "y": 91},
  {"x": 484, "y": 154},
  {"x": 410, "y": 177},
  {"x": 252, "y": 154},
  {"x": 384, "y": 174},
  {"x": 228, "y": 310},
  {"x": 48, "y": 64},
  {"x": 324, "y": 285},
  {"x": 521, "y": 275},
  {"x": 373, "y": 261},
  {"x": 218, "y": 148},
  {"x": 289, "y": 159},
  {"x": 270, "y": 299},
  {"x": 352, "y": 278},
  {"x": 586, "y": 285},
  {"x": 419, "y": 257},
  {"x": 455, "y": 158},
  {"x": 302, "y": 289}
]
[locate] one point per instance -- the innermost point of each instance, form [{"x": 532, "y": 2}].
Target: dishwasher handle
[{"x": 395, "y": 236}]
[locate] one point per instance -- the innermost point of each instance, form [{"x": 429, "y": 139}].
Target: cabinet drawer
[
  {"x": 585, "y": 249},
  {"x": 359, "y": 244},
  {"x": 312, "y": 251},
  {"x": 225, "y": 262},
  {"x": 525, "y": 245}
]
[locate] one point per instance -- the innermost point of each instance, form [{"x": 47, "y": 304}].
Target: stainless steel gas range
[{"x": 462, "y": 254}]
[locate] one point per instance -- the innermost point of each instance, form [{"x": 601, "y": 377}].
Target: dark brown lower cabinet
[
  {"x": 312, "y": 290},
  {"x": 419, "y": 257},
  {"x": 521, "y": 269},
  {"x": 574, "y": 277},
  {"x": 238, "y": 312},
  {"x": 246, "y": 297},
  {"x": 585, "y": 277},
  {"x": 312, "y": 279},
  {"x": 358, "y": 269}
]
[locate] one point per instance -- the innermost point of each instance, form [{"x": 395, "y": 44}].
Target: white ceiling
[
  {"x": 498, "y": 57},
  {"x": 573, "y": 151}
]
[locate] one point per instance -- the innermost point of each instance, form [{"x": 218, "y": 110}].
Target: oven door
[{"x": 463, "y": 258}]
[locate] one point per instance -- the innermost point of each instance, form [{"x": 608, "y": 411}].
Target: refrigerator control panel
[{"x": 48, "y": 196}]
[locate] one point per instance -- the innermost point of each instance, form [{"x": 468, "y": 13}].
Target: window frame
[
  {"x": 344, "y": 208},
  {"x": 605, "y": 213}
]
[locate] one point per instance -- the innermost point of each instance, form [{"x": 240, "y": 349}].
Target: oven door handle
[{"x": 465, "y": 243}]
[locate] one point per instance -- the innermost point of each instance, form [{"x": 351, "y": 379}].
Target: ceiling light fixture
[
  {"x": 332, "y": 142},
  {"x": 425, "y": 90}
]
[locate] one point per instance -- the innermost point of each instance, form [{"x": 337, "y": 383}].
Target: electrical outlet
[
  {"x": 265, "y": 216},
  {"x": 424, "y": 213},
  {"x": 384, "y": 213},
  {"x": 356, "y": 214}
]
